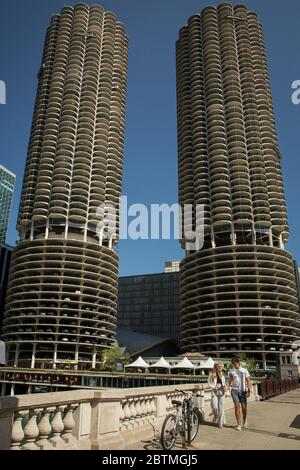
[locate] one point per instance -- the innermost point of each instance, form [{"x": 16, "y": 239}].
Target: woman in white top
[{"x": 217, "y": 383}]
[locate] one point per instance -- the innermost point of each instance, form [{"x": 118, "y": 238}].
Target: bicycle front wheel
[
  {"x": 168, "y": 432},
  {"x": 195, "y": 423}
]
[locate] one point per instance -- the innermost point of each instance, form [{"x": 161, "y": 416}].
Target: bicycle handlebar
[{"x": 183, "y": 391}]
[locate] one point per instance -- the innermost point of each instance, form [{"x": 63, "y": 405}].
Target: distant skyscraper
[
  {"x": 5, "y": 258},
  {"x": 7, "y": 185},
  {"x": 62, "y": 294},
  {"x": 238, "y": 293}
]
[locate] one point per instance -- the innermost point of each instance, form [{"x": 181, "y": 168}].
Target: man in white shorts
[{"x": 239, "y": 380}]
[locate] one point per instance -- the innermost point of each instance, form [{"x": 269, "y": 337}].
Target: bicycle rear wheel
[{"x": 168, "y": 432}]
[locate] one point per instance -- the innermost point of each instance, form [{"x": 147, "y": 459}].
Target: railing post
[
  {"x": 143, "y": 406},
  {"x": 125, "y": 422},
  {"x": 133, "y": 412},
  {"x": 152, "y": 406},
  {"x": 69, "y": 425},
  {"x": 57, "y": 427},
  {"x": 138, "y": 410},
  {"x": 31, "y": 431},
  {"x": 45, "y": 429},
  {"x": 83, "y": 417},
  {"x": 106, "y": 420},
  {"x": 161, "y": 406},
  {"x": 17, "y": 433}
]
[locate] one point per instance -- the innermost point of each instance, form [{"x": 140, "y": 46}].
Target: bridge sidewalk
[{"x": 273, "y": 425}]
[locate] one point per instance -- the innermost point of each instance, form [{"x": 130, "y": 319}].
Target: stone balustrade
[{"x": 89, "y": 419}]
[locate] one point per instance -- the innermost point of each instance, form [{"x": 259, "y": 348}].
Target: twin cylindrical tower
[
  {"x": 238, "y": 293},
  {"x": 62, "y": 296}
]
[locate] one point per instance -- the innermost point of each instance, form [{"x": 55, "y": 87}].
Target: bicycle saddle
[{"x": 176, "y": 402}]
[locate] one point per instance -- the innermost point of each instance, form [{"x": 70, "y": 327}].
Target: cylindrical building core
[
  {"x": 62, "y": 294},
  {"x": 238, "y": 291}
]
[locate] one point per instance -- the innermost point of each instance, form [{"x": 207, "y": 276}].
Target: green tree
[
  {"x": 249, "y": 363},
  {"x": 110, "y": 357}
]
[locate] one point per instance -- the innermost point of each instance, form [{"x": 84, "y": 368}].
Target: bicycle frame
[{"x": 186, "y": 413}]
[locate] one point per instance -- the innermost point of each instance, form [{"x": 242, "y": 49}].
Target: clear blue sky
[{"x": 151, "y": 147}]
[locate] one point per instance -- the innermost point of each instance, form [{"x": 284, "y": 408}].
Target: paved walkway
[{"x": 273, "y": 425}]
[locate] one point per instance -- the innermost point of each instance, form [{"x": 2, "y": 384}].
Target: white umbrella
[
  {"x": 161, "y": 364},
  {"x": 184, "y": 364},
  {"x": 208, "y": 364},
  {"x": 139, "y": 364}
]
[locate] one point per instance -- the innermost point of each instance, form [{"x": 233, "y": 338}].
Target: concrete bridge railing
[{"x": 89, "y": 419}]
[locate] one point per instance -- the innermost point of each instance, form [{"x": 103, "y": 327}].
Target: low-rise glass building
[{"x": 150, "y": 304}]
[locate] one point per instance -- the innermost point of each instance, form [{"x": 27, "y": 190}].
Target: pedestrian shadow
[
  {"x": 154, "y": 444},
  {"x": 273, "y": 434},
  {"x": 211, "y": 424},
  {"x": 258, "y": 431},
  {"x": 283, "y": 402}
]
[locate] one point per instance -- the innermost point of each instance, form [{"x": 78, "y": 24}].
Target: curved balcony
[{"x": 229, "y": 285}]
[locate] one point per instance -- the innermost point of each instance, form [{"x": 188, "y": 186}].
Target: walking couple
[{"x": 239, "y": 381}]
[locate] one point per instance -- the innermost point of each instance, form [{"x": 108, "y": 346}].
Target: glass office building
[
  {"x": 7, "y": 185},
  {"x": 149, "y": 304}
]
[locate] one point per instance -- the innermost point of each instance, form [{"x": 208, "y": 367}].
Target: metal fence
[
  {"x": 52, "y": 381},
  {"x": 271, "y": 388}
]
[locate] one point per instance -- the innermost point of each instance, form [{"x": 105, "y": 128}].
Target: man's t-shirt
[{"x": 239, "y": 379}]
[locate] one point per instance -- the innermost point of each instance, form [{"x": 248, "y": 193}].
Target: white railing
[{"x": 89, "y": 419}]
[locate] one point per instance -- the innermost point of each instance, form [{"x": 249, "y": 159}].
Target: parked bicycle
[{"x": 183, "y": 422}]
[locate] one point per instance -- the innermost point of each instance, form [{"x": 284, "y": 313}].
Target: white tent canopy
[
  {"x": 161, "y": 364},
  {"x": 139, "y": 364},
  {"x": 208, "y": 364},
  {"x": 184, "y": 364}
]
